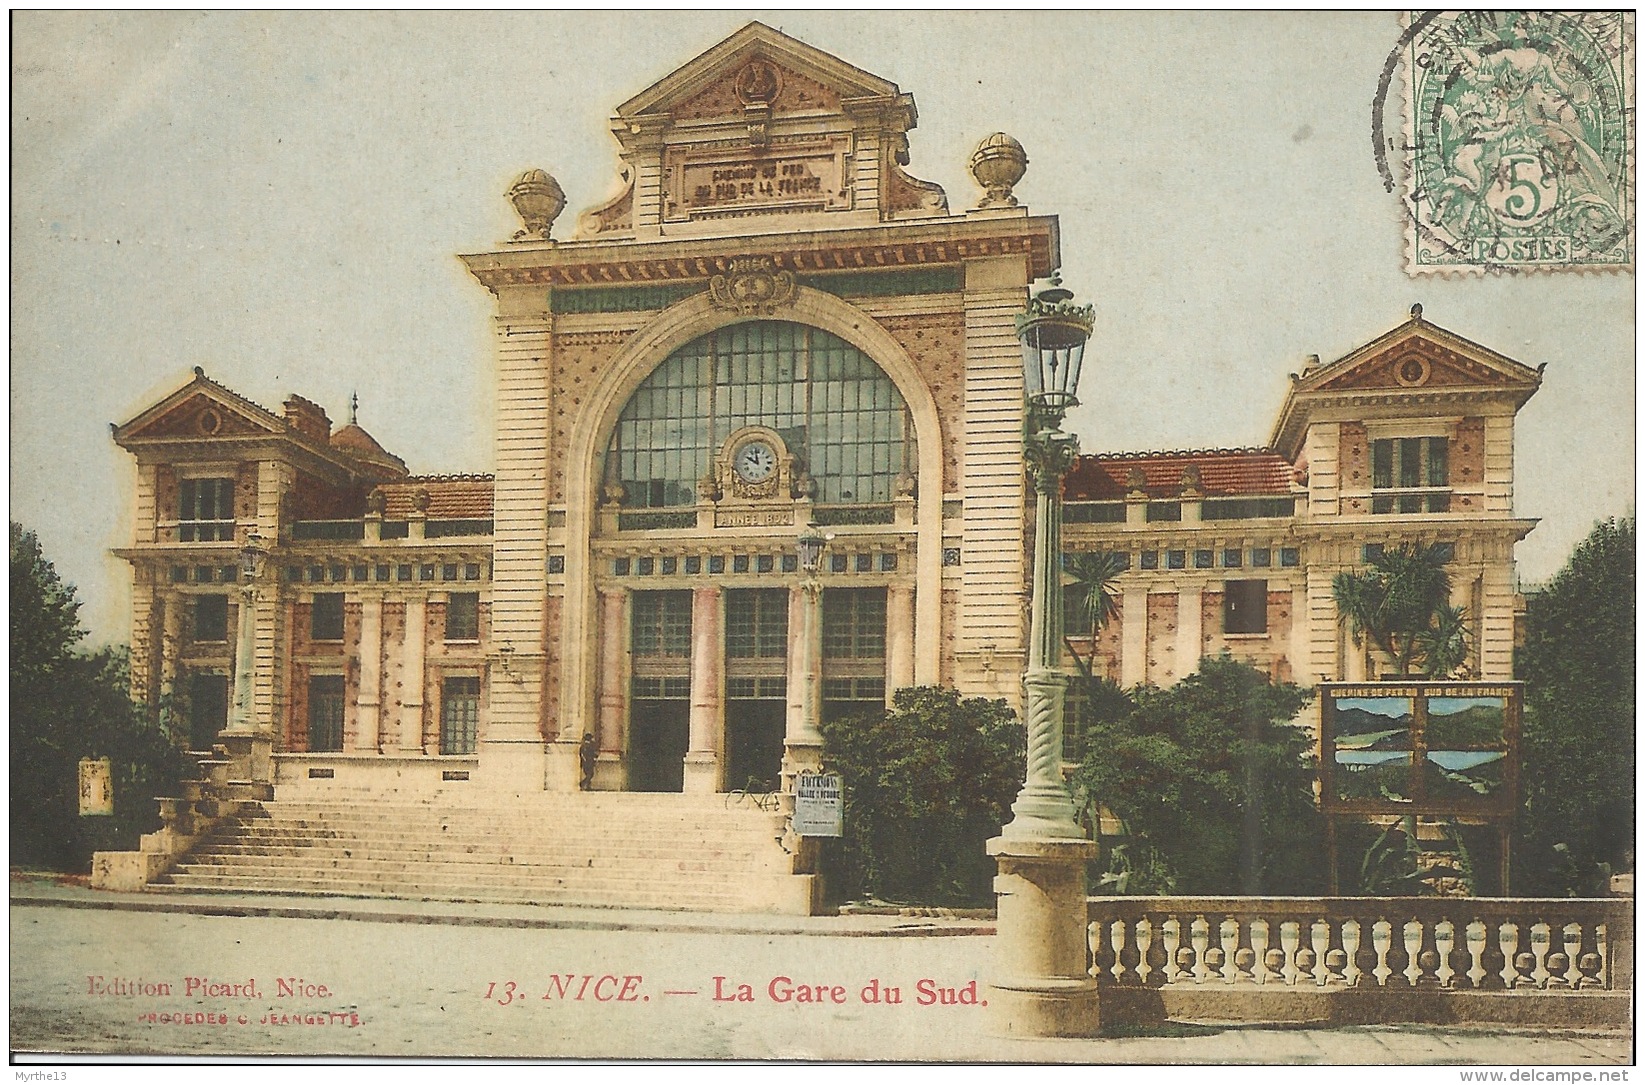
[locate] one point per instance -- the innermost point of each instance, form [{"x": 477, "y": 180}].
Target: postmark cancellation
[{"x": 1519, "y": 141}]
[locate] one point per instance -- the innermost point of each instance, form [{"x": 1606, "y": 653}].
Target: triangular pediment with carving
[
  {"x": 201, "y": 410},
  {"x": 763, "y": 126},
  {"x": 1422, "y": 361}
]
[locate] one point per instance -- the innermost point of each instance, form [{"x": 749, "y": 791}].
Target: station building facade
[{"x": 769, "y": 324}]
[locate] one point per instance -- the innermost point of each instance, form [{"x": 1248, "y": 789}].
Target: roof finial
[
  {"x": 1416, "y": 311},
  {"x": 354, "y": 408}
]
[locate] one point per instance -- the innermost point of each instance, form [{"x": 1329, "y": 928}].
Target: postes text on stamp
[{"x": 1519, "y": 141}]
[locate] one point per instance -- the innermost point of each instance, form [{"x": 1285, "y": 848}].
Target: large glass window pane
[
  {"x": 325, "y": 713},
  {"x": 662, "y": 624},
  {"x": 459, "y": 716}
]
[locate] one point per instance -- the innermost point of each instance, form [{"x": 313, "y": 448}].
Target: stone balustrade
[{"x": 1363, "y": 959}]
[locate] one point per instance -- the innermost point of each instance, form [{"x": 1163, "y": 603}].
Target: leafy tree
[
  {"x": 1213, "y": 783},
  {"x": 1402, "y": 605},
  {"x": 65, "y": 705},
  {"x": 1577, "y": 746},
  {"x": 927, "y": 783}
]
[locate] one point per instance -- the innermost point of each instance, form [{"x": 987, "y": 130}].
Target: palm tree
[
  {"x": 1402, "y": 605},
  {"x": 1092, "y": 596}
]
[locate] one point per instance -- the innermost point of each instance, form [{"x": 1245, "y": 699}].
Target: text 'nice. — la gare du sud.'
[{"x": 588, "y": 987}]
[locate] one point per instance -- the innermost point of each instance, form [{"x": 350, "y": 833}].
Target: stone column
[
  {"x": 899, "y": 638},
  {"x": 613, "y": 715},
  {"x": 702, "y": 761},
  {"x": 413, "y": 678},
  {"x": 802, "y": 742},
  {"x": 171, "y": 641},
  {"x": 368, "y": 729},
  {"x": 1190, "y": 631}
]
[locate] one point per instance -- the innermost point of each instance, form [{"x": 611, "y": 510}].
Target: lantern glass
[
  {"x": 251, "y": 557},
  {"x": 810, "y": 547},
  {"x": 1053, "y": 332}
]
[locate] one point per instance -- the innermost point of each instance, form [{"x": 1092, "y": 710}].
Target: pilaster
[
  {"x": 414, "y": 679},
  {"x": 1190, "y": 630},
  {"x": 899, "y": 638},
  {"x": 609, "y": 773},
  {"x": 702, "y": 761},
  {"x": 368, "y": 732},
  {"x": 1134, "y": 636}
]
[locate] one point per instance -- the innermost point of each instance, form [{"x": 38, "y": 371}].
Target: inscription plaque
[{"x": 738, "y": 181}]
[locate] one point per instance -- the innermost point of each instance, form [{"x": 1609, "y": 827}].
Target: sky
[{"x": 279, "y": 198}]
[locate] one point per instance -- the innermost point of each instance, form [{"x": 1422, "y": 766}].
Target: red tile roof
[
  {"x": 1223, "y": 472},
  {"x": 361, "y": 445},
  {"x": 450, "y": 497}
]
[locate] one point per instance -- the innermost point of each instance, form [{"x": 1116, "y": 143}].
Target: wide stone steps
[{"x": 614, "y": 850}]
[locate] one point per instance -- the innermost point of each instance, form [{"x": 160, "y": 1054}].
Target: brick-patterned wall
[
  {"x": 1354, "y": 466},
  {"x": 936, "y": 343},
  {"x": 1107, "y": 663},
  {"x": 394, "y": 676},
  {"x": 579, "y": 361},
  {"x": 1270, "y": 653},
  {"x": 950, "y": 636},
  {"x": 553, "y": 607},
  {"x": 1162, "y": 638},
  {"x": 1467, "y": 462}
]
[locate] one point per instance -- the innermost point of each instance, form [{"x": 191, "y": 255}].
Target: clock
[{"x": 755, "y": 461}]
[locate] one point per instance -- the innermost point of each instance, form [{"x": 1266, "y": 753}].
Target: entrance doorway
[
  {"x": 659, "y": 733},
  {"x": 756, "y": 719},
  {"x": 208, "y": 709}
]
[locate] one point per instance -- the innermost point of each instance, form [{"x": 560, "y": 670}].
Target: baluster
[
  {"x": 1245, "y": 957},
  {"x": 1365, "y": 952},
  {"x": 1102, "y": 950},
  {"x": 1274, "y": 957},
  {"x": 1428, "y": 953},
  {"x": 1491, "y": 957},
  {"x": 1559, "y": 961},
  {"x": 1187, "y": 955},
  {"x": 1157, "y": 957},
  {"x": 1130, "y": 954},
  {"x": 1216, "y": 958},
  {"x": 1588, "y": 960},
  {"x": 1461, "y": 958},
  {"x": 1524, "y": 957},
  {"x": 1307, "y": 958},
  {"x": 1399, "y": 956},
  {"x": 1336, "y": 954}
]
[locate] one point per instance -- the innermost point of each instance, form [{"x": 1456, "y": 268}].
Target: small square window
[
  {"x": 1148, "y": 559},
  {"x": 228, "y": 574},
  {"x": 293, "y": 574},
  {"x": 1261, "y": 558},
  {"x": 403, "y": 573},
  {"x": 1372, "y": 551},
  {"x": 888, "y": 562},
  {"x": 764, "y": 563},
  {"x": 950, "y": 557},
  {"x": 716, "y": 563},
  {"x": 1446, "y": 551},
  {"x": 671, "y": 566},
  {"x": 619, "y": 567},
  {"x": 316, "y": 575},
  {"x": 202, "y": 574},
  {"x": 382, "y": 572},
  {"x": 837, "y": 563},
  {"x": 472, "y": 571},
  {"x": 791, "y": 563},
  {"x": 865, "y": 563},
  {"x": 362, "y": 572},
  {"x": 1176, "y": 559},
  {"x": 644, "y": 566},
  {"x": 326, "y": 616},
  {"x": 556, "y": 564},
  {"x": 1204, "y": 559},
  {"x": 1290, "y": 557},
  {"x": 338, "y": 574},
  {"x": 448, "y": 572},
  {"x": 463, "y": 616},
  {"x": 426, "y": 573},
  {"x": 1233, "y": 559},
  {"x": 739, "y": 563},
  {"x": 693, "y": 565}
]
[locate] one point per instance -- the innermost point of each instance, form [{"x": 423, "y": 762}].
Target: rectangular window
[
  {"x": 756, "y": 623},
  {"x": 853, "y": 623},
  {"x": 1289, "y": 557},
  {"x": 662, "y": 624},
  {"x": 1164, "y": 511},
  {"x": 211, "y": 618},
  {"x": 1232, "y": 559},
  {"x": 326, "y": 616},
  {"x": 459, "y": 716},
  {"x": 1204, "y": 559},
  {"x": 852, "y": 697},
  {"x": 1413, "y": 468},
  {"x": 206, "y": 510},
  {"x": 1245, "y": 606},
  {"x": 1176, "y": 559},
  {"x": 463, "y": 616},
  {"x": 1149, "y": 559},
  {"x": 325, "y": 713},
  {"x": 1261, "y": 557}
]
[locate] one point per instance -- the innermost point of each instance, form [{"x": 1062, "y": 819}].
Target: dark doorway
[
  {"x": 754, "y": 744},
  {"x": 207, "y": 709},
  {"x": 659, "y": 733}
]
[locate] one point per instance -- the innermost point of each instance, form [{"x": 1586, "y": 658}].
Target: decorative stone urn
[
  {"x": 998, "y": 164},
  {"x": 538, "y": 200}
]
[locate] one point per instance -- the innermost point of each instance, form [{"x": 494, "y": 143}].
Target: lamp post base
[{"x": 1042, "y": 983}]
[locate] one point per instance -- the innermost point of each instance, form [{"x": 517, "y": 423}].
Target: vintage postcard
[{"x": 626, "y": 537}]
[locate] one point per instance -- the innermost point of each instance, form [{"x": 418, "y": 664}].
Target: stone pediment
[
  {"x": 1423, "y": 361},
  {"x": 762, "y": 126},
  {"x": 200, "y": 410}
]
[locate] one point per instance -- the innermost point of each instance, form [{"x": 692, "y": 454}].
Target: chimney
[{"x": 308, "y": 418}]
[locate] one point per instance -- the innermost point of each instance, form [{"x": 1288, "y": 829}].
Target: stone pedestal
[
  {"x": 702, "y": 773},
  {"x": 1041, "y": 984},
  {"x": 250, "y": 755}
]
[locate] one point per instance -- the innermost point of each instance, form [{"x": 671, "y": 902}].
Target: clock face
[{"x": 755, "y": 461}]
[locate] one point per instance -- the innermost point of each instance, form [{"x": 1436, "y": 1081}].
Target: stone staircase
[{"x": 601, "y": 849}]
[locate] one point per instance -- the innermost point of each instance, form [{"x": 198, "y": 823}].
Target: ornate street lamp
[
  {"x": 1042, "y": 985},
  {"x": 803, "y": 739},
  {"x": 810, "y": 547},
  {"x": 1053, "y": 331},
  {"x": 253, "y": 557}
]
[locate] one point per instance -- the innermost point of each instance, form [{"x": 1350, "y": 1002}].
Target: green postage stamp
[{"x": 1519, "y": 141}]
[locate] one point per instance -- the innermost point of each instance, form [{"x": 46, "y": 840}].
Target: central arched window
[{"x": 838, "y": 412}]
